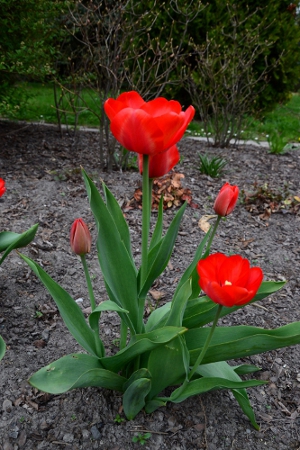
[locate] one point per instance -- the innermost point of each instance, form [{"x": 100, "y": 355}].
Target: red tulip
[
  {"x": 226, "y": 200},
  {"x": 228, "y": 280},
  {"x": 80, "y": 238},
  {"x": 161, "y": 163},
  {"x": 147, "y": 128},
  {"x": 2, "y": 187}
]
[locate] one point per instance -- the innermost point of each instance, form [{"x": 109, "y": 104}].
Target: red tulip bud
[
  {"x": 80, "y": 238},
  {"x": 2, "y": 187},
  {"x": 226, "y": 200}
]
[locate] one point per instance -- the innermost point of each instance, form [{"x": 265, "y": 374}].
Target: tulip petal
[
  {"x": 137, "y": 131},
  {"x": 161, "y": 106},
  {"x": 161, "y": 163},
  {"x": 126, "y": 100},
  {"x": 227, "y": 295}
]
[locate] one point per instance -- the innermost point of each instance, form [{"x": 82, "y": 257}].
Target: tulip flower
[
  {"x": 150, "y": 127},
  {"x": 161, "y": 163},
  {"x": 228, "y": 280},
  {"x": 226, "y": 200},
  {"x": 2, "y": 187},
  {"x": 80, "y": 238}
]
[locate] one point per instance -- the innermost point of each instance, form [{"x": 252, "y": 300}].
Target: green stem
[
  {"x": 206, "y": 344},
  {"x": 98, "y": 342},
  {"x": 212, "y": 236},
  {"x": 146, "y": 212},
  {"x": 123, "y": 335},
  {"x": 145, "y": 218}
]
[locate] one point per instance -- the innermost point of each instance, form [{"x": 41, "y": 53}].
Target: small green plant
[
  {"x": 141, "y": 438},
  {"x": 38, "y": 314},
  {"x": 212, "y": 166},
  {"x": 277, "y": 142},
  {"x": 73, "y": 417},
  {"x": 119, "y": 419},
  {"x": 22, "y": 419}
]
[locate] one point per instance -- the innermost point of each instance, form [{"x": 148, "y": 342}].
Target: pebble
[
  {"x": 8, "y": 446},
  {"x": 68, "y": 437},
  {"x": 95, "y": 432},
  {"x": 22, "y": 439},
  {"x": 7, "y": 405}
]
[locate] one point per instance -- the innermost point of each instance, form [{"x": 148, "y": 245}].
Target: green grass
[
  {"x": 283, "y": 122},
  {"x": 41, "y": 106}
]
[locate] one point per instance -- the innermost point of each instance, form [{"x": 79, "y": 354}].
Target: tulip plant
[
  {"x": 8, "y": 242},
  {"x": 179, "y": 345}
]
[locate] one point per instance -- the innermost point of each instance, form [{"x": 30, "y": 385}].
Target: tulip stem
[
  {"x": 88, "y": 282},
  {"x": 145, "y": 218},
  {"x": 212, "y": 236},
  {"x": 206, "y": 344},
  {"x": 98, "y": 342}
]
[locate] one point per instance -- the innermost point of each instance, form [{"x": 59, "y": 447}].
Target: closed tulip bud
[
  {"x": 80, "y": 238},
  {"x": 2, "y": 187},
  {"x": 226, "y": 200}
]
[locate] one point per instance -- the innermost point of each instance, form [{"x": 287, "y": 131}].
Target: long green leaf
[
  {"x": 139, "y": 344},
  {"x": 240, "y": 341},
  {"x": 68, "y": 308},
  {"x": 158, "y": 317},
  {"x": 117, "y": 266},
  {"x": 117, "y": 214},
  {"x": 75, "y": 371},
  {"x": 2, "y": 347},
  {"x": 223, "y": 370},
  {"x": 178, "y": 305},
  {"x": 202, "y": 385},
  {"x": 107, "y": 305},
  {"x": 157, "y": 233},
  {"x": 134, "y": 397},
  {"x": 159, "y": 256},
  {"x": 201, "y": 311},
  {"x": 10, "y": 241}
]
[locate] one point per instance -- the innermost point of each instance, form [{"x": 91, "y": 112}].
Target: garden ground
[{"x": 44, "y": 184}]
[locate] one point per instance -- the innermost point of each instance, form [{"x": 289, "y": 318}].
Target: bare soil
[{"x": 44, "y": 185}]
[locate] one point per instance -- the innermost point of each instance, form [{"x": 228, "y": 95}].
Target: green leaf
[
  {"x": 244, "y": 369},
  {"x": 240, "y": 341},
  {"x": 178, "y": 305},
  {"x": 134, "y": 397},
  {"x": 159, "y": 255},
  {"x": 2, "y": 347},
  {"x": 154, "y": 404},
  {"x": 158, "y": 317},
  {"x": 107, "y": 305},
  {"x": 139, "y": 344},
  {"x": 117, "y": 214},
  {"x": 167, "y": 365},
  {"x": 201, "y": 311},
  {"x": 9, "y": 240},
  {"x": 116, "y": 263},
  {"x": 204, "y": 384},
  {"x": 68, "y": 308},
  {"x": 75, "y": 371},
  {"x": 157, "y": 233},
  {"x": 191, "y": 270},
  {"x": 223, "y": 370},
  {"x": 140, "y": 373}
]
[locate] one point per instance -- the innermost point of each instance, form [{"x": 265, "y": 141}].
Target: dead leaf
[
  {"x": 157, "y": 295},
  {"x": 204, "y": 222}
]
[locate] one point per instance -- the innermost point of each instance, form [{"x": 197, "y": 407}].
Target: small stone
[
  {"x": 68, "y": 437},
  {"x": 22, "y": 439},
  {"x": 95, "y": 432},
  {"x": 13, "y": 432},
  {"x": 85, "y": 435},
  {"x": 7, "y": 405},
  {"x": 8, "y": 446}
]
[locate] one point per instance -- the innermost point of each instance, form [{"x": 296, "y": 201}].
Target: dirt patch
[{"x": 42, "y": 173}]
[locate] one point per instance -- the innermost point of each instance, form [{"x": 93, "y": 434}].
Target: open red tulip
[
  {"x": 161, "y": 163},
  {"x": 150, "y": 127},
  {"x": 226, "y": 200},
  {"x": 80, "y": 237},
  {"x": 2, "y": 187},
  {"x": 228, "y": 280}
]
